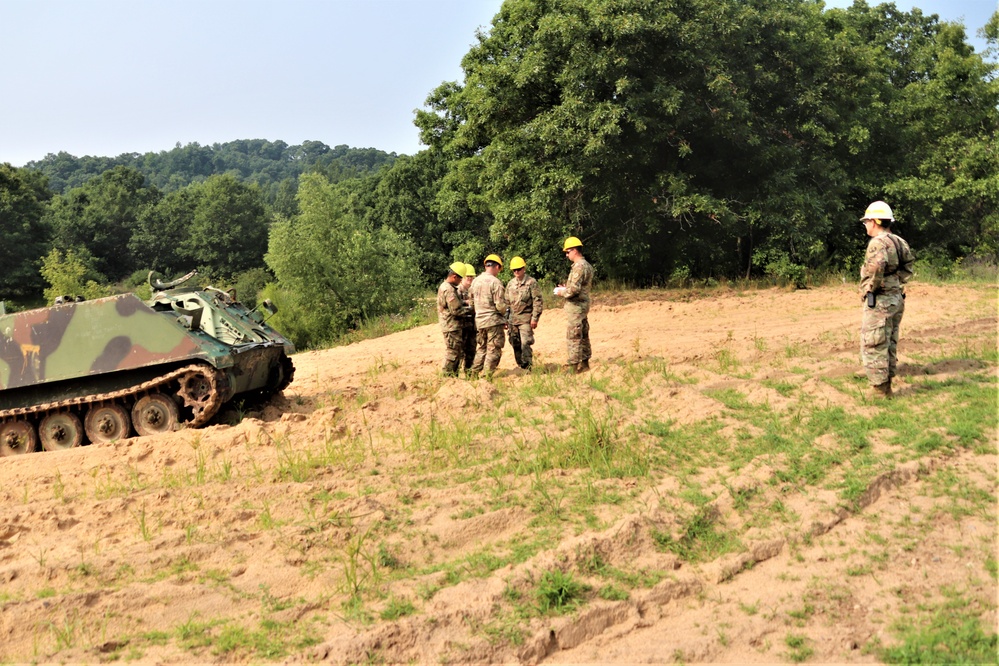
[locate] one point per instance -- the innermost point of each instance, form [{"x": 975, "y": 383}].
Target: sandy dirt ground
[{"x": 256, "y": 529}]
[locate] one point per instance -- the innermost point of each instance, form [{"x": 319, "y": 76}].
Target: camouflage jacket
[
  {"x": 577, "y": 287},
  {"x": 887, "y": 265},
  {"x": 489, "y": 301},
  {"x": 524, "y": 297},
  {"x": 450, "y": 309}
]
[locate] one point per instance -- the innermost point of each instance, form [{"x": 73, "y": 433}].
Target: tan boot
[{"x": 582, "y": 366}]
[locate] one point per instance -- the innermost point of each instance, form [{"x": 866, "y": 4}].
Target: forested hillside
[{"x": 679, "y": 139}]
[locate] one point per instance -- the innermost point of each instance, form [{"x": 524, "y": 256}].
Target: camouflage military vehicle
[{"x": 96, "y": 370}]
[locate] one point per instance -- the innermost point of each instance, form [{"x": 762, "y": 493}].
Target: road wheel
[
  {"x": 154, "y": 414},
  {"x": 107, "y": 423},
  {"x": 17, "y": 437},
  {"x": 61, "y": 430}
]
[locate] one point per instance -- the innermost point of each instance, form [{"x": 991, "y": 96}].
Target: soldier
[
  {"x": 490, "y": 306},
  {"x": 450, "y": 310},
  {"x": 468, "y": 321},
  {"x": 887, "y": 267},
  {"x": 524, "y": 297},
  {"x": 576, "y": 293}
]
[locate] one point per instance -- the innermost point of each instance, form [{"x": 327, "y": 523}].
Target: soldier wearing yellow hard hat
[
  {"x": 524, "y": 296},
  {"x": 887, "y": 267},
  {"x": 576, "y": 292},
  {"x": 489, "y": 301},
  {"x": 467, "y": 322},
  {"x": 450, "y": 310}
]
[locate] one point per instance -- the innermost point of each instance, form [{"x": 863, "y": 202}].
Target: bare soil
[{"x": 149, "y": 549}]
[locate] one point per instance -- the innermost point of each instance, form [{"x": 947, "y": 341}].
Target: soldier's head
[
  {"x": 469, "y": 274},
  {"x": 493, "y": 264},
  {"x": 573, "y": 248},
  {"x": 455, "y": 272},
  {"x": 518, "y": 266},
  {"x": 877, "y": 218}
]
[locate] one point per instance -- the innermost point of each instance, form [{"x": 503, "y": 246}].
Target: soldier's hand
[{"x": 534, "y": 325}]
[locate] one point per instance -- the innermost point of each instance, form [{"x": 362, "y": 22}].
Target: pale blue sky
[{"x": 105, "y": 77}]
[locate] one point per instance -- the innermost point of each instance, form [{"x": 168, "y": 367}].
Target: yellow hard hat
[
  {"x": 494, "y": 257},
  {"x": 458, "y": 268},
  {"x": 878, "y": 210},
  {"x": 516, "y": 263},
  {"x": 469, "y": 270},
  {"x": 571, "y": 242}
]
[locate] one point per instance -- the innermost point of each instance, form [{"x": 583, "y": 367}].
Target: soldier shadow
[{"x": 945, "y": 367}]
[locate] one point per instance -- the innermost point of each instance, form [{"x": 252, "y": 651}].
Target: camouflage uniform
[
  {"x": 489, "y": 302},
  {"x": 887, "y": 266},
  {"x": 577, "y": 307},
  {"x": 467, "y": 329},
  {"x": 450, "y": 310},
  {"x": 524, "y": 297}
]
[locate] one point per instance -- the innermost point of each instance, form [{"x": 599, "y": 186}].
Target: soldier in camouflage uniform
[
  {"x": 489, "y": 301},
  {"x": 524, "y": 297},
  {"x": 468, "y": 322},
  {"x": 576, "y": 293},
  {"x": 450, "y": 310},
  {"x": 887, "y": 267}
]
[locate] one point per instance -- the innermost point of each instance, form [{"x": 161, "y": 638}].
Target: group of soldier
[
  {"x": 474, "y": 311},
  {"x": 477, "y": 313}
]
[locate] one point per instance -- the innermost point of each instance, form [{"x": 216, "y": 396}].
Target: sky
[{"x": 106, "y": 77}]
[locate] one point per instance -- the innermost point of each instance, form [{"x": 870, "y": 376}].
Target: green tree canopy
[
  {"x": 25, "y": 237},
  {"x": 228, "y": 233},
  {"x": 337, "y": 269},
  {"x": 97, "y": 219},
  {"x": 714, "y": 135}
]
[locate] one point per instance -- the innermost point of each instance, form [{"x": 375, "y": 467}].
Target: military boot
[
  {"x": 882, "y": 391},
  {"x": 583, "y": 366}
]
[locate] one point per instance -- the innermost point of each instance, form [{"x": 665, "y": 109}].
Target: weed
[
  {"x": 948, "y": 636},
  {"x": 800, "y": 651},
  {"x": 396, "y": 608},
  {"x": 558, "y": 592},
  {"x": 612, "y": 593},
  {"x": 360, "y": 568},
  {"x": 700, "y": 539},
  {"x": 144, "y": 528}
]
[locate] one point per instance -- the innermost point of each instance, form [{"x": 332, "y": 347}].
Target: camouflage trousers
[
  {"x": 468, "y": 346},
  {"x": 879, "y": 337},
  {"x": 522, "y": 339},
  {"x": 489, "y": 349},
  {"x": 453, "y": 353},
  {"x": 577, "y": 337}
]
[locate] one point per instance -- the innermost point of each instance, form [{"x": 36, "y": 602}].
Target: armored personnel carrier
[{"x": 98, "y": 370}]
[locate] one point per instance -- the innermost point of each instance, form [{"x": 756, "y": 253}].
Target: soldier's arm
[
  {"x": 454, "y": 304},
  {"x": 499, "y": 299},
  {"x": 539, "y": 303},
  {"x": 874, "y": 266},
  {"x": 574, "y": 283}
]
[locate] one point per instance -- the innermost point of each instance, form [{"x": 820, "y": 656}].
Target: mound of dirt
[{"x": 380, "y": 512}]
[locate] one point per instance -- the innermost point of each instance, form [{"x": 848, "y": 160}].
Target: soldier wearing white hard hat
[{"x": 887, "y": 267}]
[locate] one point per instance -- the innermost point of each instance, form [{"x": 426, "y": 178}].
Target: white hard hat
[{"x": 878, "y": 210}]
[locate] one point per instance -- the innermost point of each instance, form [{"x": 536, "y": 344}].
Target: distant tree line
[{"x": 679, "y": 139}]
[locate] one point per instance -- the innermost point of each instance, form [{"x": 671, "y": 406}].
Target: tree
[
  {"x": 23, "y": 195},
  {"x": 68, "y": 275},
  {"x": 335, "y": 269},
  {"x": 228, "y": 232},
  {"x": 722, "y": 136},
  {"x": 162, "y": 232},
  {"x": 100, "y": 217}
]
